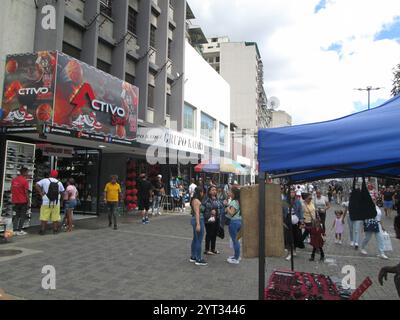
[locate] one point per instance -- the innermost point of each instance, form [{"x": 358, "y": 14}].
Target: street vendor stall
[{"x": 363, "y": 144}]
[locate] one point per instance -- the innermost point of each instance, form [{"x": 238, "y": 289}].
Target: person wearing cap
[
  {"x": 158, "y": 191},
  {"x": 49, "y": 211}
]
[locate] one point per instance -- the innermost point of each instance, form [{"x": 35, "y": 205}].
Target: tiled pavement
[{"x": 151, "y": 262}]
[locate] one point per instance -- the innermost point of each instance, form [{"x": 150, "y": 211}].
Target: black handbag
[
  {"x": 371, "y": 225},
  {"x": 361, "y": 206}
]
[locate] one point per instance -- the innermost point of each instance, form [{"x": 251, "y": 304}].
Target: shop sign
[
  {"x": 56, "y": 151},
  {"x": 168, "y": 138},
  {"x": 53, "y": 89}
]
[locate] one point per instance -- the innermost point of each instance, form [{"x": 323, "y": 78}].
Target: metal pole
[
  {"x": 290, "y": 225},
  {"x": 261, "y": 253}
]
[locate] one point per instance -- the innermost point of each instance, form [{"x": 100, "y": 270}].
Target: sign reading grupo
[
  {"x": 51, "y": 88},
  {"x": 167, "y": 138}
]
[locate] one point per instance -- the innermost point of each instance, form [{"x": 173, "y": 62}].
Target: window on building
[
  {"x": 106, "y": 7},
  {"x": 169, "y": 48},
  {"x": 103, "y": 66},
  {"x": 132, "y": 20},
  {"x": 207, "y": 127},
  {"x": 153, "y": 30},
  {"x": 189, "y": 118},
  {"x": 217, "y": 59},
  {"x": 217, "y": 69},
  {"x": 168, "y": 111},
  {"x": 150, "y": 102},
  {"x": 130, "y": 78},
  {"x": 222, "y": 133},
  {"x": 214, "y": 40},
  {"x": 71, "y": 51}
]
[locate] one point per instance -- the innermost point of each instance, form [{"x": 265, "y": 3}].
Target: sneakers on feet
[
  {"x": 201, "y": 263},
  {"x": 233, "y": 257},
  {"x": 192, "y": 260},
  {"x": 232, "y": 261},
  {"x": 22, "y": 233},
  {"x": 340, "y": 242},
  {"x": 383, "y": 256},
  {"x": 209, "y": 253},
  {"x": 288, "y": 258},
  {"x": 364, "y": 252},
  {"x": 115, "y": 228},
  {"x": 356, "y": 246},
  {"x": 352, "y": 244}
]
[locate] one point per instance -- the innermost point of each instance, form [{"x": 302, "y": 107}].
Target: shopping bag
[{"x": 387, "y": 242}]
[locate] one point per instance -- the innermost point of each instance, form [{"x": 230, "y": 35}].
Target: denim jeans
[
  {"x": 197, "y": 239},
  {"x": 234, "y": 228},
  {"x": 357, "y": 231},
  {"x": 156, "y": 204},
  {"x": 379, "y": 240},
  {"x": 351, "y": 231},
  {"x": 112, "y": 208}
]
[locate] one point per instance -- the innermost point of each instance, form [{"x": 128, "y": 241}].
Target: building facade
[
  {"x": 281, "y": 119},
  {"x": 240, "y": 64}
]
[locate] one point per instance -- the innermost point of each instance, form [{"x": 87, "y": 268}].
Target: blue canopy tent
[{"x": 362, "y": 144}]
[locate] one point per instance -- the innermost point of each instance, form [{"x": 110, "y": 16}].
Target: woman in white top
[
  {"x": 368, "y": 229},
  {"x": 322, "y": 206}
]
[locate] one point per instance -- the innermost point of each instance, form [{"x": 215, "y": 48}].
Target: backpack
[{"x": 53, "y": 192}]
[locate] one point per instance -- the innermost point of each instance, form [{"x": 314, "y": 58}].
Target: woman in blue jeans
[
  {"x": 198, "y": 227},
  {"x": 235, "y": 216}
]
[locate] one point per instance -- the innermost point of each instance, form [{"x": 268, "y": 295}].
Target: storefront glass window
[
  {"x": 207, "y": 127},
  {"x": 189, "y": 119},
  {"x": 222, "y": 133}
]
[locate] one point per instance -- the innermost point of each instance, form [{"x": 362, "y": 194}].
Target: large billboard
[
  {"x": 54, "y": 89},
  {"x": 29, "y": 85}
]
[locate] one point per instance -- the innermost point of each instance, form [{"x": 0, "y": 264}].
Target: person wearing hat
[
  {"x": 158, "y": 191},
  {"x": 50, "y": 189}
]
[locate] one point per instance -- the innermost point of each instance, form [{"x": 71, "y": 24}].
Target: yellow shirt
[
  {"x": 112, "y": 192},
  {"x": 309, "y": 212}
]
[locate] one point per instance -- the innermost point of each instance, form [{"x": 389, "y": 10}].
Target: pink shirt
[{"x": 70, "y": 193}]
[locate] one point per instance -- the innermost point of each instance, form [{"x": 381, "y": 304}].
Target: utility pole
[{"x": 368, "y": 89}]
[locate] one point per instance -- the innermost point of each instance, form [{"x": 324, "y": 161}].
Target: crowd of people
[
  {"x": 213, "y": 207},
  {"x": 306, "y": 223}
]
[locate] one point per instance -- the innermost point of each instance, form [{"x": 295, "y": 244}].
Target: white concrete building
[
  {"x": 207, "y": 102},
  {"x": 17, "y": 20},
  {"x": 240, "y": 64},
  {"x": 281, "y": 119}
]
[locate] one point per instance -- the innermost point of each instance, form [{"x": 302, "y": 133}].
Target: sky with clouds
[{"x": 315, "y": 52}]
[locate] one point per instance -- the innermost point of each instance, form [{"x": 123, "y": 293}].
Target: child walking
[
  {"x": 338, "y": 224},
  {"x": 317, "y": 239}
]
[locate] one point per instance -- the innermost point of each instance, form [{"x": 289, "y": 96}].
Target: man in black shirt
[
  {"x": 158, "y": 191},
  {"x": 145, "y": 193},
  {"x": 396, "y": 269}
]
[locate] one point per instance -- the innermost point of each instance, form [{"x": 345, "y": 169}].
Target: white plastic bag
[{"x": 387, "y": 242}]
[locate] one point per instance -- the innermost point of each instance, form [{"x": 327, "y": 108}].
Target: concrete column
[
  {"x": 178, "y": 58},
  {"x": 160, "y": 98},
  {"x": 120, "y": 9},
  {"x": 142, "y": 67},
  {"x": 91, "y": 35},
  {"x": 48, "y": 36}
]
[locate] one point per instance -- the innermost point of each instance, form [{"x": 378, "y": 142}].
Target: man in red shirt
[{"x": 20, "y": 200}]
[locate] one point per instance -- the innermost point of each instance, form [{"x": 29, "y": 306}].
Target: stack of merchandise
[{"x": 131, "y": 198}]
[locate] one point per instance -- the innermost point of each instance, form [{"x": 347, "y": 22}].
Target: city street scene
[{"x": 201, "y": 150}]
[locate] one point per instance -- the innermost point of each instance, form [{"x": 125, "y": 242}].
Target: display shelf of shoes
[{"x": 17, "y": 156}]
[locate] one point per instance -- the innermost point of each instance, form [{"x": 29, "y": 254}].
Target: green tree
[{"x": 396, "y": 81}]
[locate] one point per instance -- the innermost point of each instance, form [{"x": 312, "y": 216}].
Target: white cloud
[{"x": 312, "y": 83}]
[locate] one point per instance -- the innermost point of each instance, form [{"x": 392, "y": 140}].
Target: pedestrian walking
[
  {"x": 145, "y": 193},
  {"x": 197, "y": 221},
  {"x": 317, "y": 239},
  {"x": 70, "y": 202},
  {"x": 338, "y": 225},
  {"x": 295, "y": 219},
  {"x": 309, "y": 213},
  {"x": 374, "y": 227},
  {"x": 392, "y": 270},
  {"x": 234, "y": 214},
  {"x": 322, "y": 206},
  {"x": 212, "y": 212},
  {"x": 112, "y": 197},
  {"x": 192, "y": 188},
  {"x": 388, "y": 200},
  {"x": 20, "y": 200},
  {"x": 158, "y": 192},
  {"x": 50, "y": 189}
]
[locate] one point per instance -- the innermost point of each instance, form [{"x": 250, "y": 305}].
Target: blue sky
[
  {"x": 390, "y": 32},
  {"x": 320, "y": 6}
]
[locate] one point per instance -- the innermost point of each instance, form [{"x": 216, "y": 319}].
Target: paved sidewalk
[{"x": 151, "y": 262}]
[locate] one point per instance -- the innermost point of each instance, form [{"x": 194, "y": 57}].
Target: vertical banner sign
[{"x": 29, "y": 85}]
